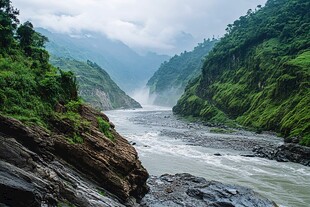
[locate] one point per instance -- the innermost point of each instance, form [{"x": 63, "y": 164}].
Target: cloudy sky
[{"x": 164, "y": 26}]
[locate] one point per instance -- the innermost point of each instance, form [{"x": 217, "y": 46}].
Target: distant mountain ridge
[
  {"x": 169, "y": 81},
  {"x": 127, "y": 68},
  {"x": 95, "y": 85}
]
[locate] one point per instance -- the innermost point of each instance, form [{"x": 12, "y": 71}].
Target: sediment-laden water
[{"x": 168, "y": 145}]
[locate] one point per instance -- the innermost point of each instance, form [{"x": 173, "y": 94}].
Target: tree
[
  {"x": 8, "y": 23},
  {"x": 25, "y": 34},
  {"x": 29, "y": 39}
]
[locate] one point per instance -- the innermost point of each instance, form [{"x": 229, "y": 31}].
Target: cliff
[
  {"x": 95, "y": 85},
  {"x": 40, "y": 166}
]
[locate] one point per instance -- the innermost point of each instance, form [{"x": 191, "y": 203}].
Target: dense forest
[
  {"x": 169, "y": 81},
  {"x": 30, "y": 88},
  {"x": 258, "y": 75},
  {"x": 95, "y": 85}
]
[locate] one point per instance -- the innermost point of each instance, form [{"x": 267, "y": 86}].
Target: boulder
[{"x": 187, "y": 190}]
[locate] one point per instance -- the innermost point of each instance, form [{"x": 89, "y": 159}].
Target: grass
[{"x": 105, "y": 127}]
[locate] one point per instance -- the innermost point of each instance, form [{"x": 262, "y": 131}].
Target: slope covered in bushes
[
  {"x": 30, "y": 87},
  {"x": 169, "y": 81},
  {"x": 95, "y": 85},
  {"x": 259, "y": 73}
]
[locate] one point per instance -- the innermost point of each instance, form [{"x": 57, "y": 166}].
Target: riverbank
[
  {"x": 166, "y": 144},
  {"x": 264, "y": 145}
]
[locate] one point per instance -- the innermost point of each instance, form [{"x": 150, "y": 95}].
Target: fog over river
[{"x": 167, "y": 144}]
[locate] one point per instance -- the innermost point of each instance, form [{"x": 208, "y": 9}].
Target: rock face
[
  {"x": 41, "y": 168},
  {"x": 286, "y": 152},
  {"x": 95, "y": 85},
  {"x": 187, "y": 190}
]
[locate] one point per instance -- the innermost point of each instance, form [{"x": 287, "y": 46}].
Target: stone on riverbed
[{"x": 187, "y": 190}]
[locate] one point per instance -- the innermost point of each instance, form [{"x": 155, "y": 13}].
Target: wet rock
[
  {"x": 188, "y": 190},
  {"x": 40, "y": 167},
  {"x": 284, "y": 153},
  {"x": 217, "y": 154},
  {"x": 247, "y": 155}
]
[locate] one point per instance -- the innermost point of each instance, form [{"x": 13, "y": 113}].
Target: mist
[{"x": 143, "y": 96}]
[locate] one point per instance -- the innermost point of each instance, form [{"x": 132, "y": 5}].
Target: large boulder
[{"x": 187, "y": 190}]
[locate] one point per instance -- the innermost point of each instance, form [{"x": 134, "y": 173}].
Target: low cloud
[{"x": 145, "y": 25}]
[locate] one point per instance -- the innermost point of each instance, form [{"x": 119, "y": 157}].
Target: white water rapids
[{"x": 152, "y": 129}]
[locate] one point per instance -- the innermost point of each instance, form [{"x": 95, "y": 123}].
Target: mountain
[
  {"x": 258, "y": 75},
  {"x": 169, "y": 81},
  {"x": 95, "y": 85},
  {"x": 127, "y": 68}
]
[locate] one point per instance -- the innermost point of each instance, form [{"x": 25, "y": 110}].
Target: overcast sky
[{"x": 164, "y": 26}]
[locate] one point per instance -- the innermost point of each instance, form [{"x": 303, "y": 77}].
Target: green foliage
[
  {"x": 169, "y": 81},
  {"x": 105, "y": 127},
  {"x": 102, "y": 193},
  {"x": 29, "y": 39},
  {"x": 259, "y": 73},
  {"x": 75, "y": 139},
  {"x": 8, "y": 23},
  {"x": 29, "y": 87},
  {"x": 95, "y": 85}
]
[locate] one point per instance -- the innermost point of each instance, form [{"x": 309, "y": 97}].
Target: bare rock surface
[
  {"x": 187, "y": 190},
  {"x": 42, "y": 168}
]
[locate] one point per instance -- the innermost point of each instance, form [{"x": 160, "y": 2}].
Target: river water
[{"x": 166, "y": 144}]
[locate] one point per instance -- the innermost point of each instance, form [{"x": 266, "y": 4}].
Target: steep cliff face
[
  {"x": 95, "y": 85},
  {"x": 258, "y": 74},
  {"x": 40, "y": 166}
]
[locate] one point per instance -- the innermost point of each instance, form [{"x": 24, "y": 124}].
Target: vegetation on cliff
[
  {"x": 259, "y": 73},
  {"x": 169, "y": 81},
  {"x": 29, "y": 86},
  {"x": 50, "y": 142},
  {"x": 95, "y": 85}
]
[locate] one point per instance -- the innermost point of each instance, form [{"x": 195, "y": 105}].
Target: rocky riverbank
[
  {"x": 42, "y": 168},
  {"x": 250, "y": 144},
  {"x": 285, "y": 153},
  {"x": 187, "y": 190}
]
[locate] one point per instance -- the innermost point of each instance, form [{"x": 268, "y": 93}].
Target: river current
[{"x": 166, "y": 144}]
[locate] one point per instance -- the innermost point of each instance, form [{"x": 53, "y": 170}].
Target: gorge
[{"x": 238, "y": 135}]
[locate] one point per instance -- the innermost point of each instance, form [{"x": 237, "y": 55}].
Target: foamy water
[{"x": 288, "y": 184}]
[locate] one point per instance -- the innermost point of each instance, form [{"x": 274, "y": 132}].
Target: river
[{"x": 167, "y": 144}]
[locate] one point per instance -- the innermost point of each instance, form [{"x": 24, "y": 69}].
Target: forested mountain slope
[
  {"x": 95, "y": 85},
  {"x": 169, "y": 81},
  {"x": 259, "y": 73},
  {"x": 127, "y": 68}
]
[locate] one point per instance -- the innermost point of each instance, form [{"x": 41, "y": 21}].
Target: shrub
[{"x": 104, "y": 127}]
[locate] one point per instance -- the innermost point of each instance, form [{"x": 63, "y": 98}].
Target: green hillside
[
  {"x": 258, "y": 75},
  {"x": 30, "y": 88},
  {"x": 95, "y": 85},
  {"x": 169, "y": 81}
]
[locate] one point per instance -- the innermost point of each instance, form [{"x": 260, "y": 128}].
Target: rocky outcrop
[
  {"x": 284, "y": 153},
  {"x": 40, "y": 167},
  {"x": 187, "y": 190}
]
